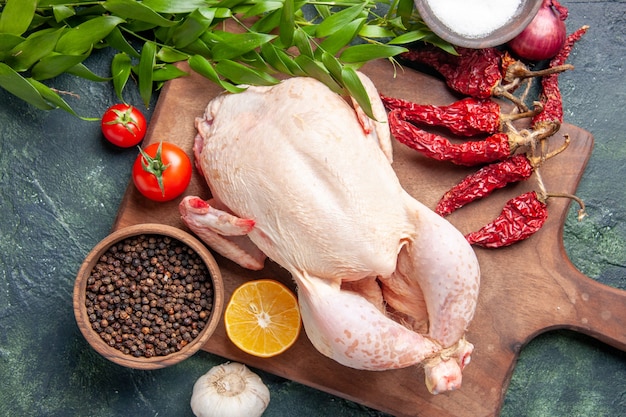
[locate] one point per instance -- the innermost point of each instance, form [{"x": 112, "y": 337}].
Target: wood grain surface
[{"x": 526, "y": 289}]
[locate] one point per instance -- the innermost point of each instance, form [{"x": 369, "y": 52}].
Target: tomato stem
[
  {"x": 124, "y": 118},
  {"x": 155, "y": 166}
]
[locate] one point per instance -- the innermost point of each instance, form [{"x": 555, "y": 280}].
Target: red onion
[{"x": 544, "y": 36}]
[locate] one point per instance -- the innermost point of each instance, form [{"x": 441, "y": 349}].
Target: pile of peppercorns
[{"x": 149, "y": 295}]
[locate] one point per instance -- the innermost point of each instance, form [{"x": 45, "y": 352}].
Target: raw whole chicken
[{"x": 304, "y": 177}]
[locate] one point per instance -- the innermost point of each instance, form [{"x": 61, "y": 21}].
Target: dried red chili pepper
[
  {"x": 491, "y": 177},
  {"x": 466, "y": 117},
  {"x": 494, "y": 148},
  {"x": 473, "y": 72},
  {"x": 479, "y": 73},
  {"x": 520, "y": 218},
  {"x": 485, "y": 181},
  {"x": 550, "y": 119}
]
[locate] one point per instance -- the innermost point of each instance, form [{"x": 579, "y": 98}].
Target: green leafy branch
[{"x": 230, "y": 42}]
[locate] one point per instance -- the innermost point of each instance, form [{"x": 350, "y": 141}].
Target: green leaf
[
  {"x": 333, "y": 66},
  {"x": 138, "y": 26},
  {"x": 203, "y": 67},
  {"x": 17, "y": 85},
  {"x": 355, "y": 88},
  {"x": 268, "y": 22},
  {"x": 166, "y": 54},
  {"x": 397, "y": 24},
  {"x": 268, "y": 51},
  {"x": 82, "y": 71},
  {"x": 287, "y": 24},
  {"x": 317, "y": 70},
  {"x": 145, "y": 70},
  {"x": 166, "y": 72},
  {"x": 49, "y": 3},
  {"x": 404, "y": 9},
  {"x": 263, "y": 7},
  {"x": 62, "y": 12},
  {"x": 41, "y": 21},
  {"x": 8, "y": 42},
  {"x": 232, "y": 45},
  {"x": 368, "y": 52},
  {"x": 440, "y": 43},
  {"x": 174, "y": 6},
  {"x": 120, "y": 71},
  {"x": 255, "y": 60},
  {"x": 192, "y": 27},
  {"x": 342, "y": 37},
  {"x": 280, "y": 60},
  {"x": 17, "y": 15},
  {"x": 55, "y": 99},
  {"x": 189, "y": 28},
  {"x": 375, "y": 31},
  {"x": 36, "y": 46},
  {"x": 323, "y": 11},
  {"x": 338, "y": 20},
  {"x": 81, "y": 38},
  {"x": 303, "y": 43},
  {"x": 230, "y": 3},
  {"x": 413, "y": 36},
  {"x": 55, "y": 64},
  {"x": 241, "y": 74},
  {"x": 290, "y": 62},
  {"x": 223, "y": 12},
  {"x": 197, "y": 47},
  {"x": 116, "y": 40},
  {"x": 134, "y": 10}
]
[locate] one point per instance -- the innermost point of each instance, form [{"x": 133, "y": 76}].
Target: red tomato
[
  {"x": 123, "y": 125},
  {"x": 162, "y": 171}
]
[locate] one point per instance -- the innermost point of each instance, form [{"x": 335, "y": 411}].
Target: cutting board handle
[
  {"x": 548, "y": 292},
  {"x": 596, "y": 309}
]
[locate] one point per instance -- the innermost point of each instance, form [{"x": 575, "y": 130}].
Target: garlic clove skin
[{"x": 229, "y": 390}]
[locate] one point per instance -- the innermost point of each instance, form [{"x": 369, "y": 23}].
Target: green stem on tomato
[{"x": 155, "y": 166}]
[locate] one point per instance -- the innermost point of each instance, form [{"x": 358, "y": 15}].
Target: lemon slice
[{"x": 262, "y": 318}]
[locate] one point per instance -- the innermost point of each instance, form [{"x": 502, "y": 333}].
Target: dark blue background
[{"x": 60, "y": 188}]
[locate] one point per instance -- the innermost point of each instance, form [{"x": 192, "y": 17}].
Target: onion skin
[{"x": 544, "y": 36}]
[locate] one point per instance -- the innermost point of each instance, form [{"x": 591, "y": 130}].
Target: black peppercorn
[{"x": 149, "y": 296}]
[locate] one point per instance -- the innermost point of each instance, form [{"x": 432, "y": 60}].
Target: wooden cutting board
[{"x": 526, "y": 289}]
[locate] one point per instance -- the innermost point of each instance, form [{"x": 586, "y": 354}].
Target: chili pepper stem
[
  {"x": 537, "y": 108},
  {"x": 526, "y": 92},
  {"x": 545, "y": 129},
  {"x": 518, "y": 70},
  {"x": 522, "y": 138},
  {"x": 560, "y": 149},
  {"x": 582, "y": 211},
  {"x": 505, "y": 92},
  {"x": 537, "y": 161},
  {"x": 552, "y": 70}
]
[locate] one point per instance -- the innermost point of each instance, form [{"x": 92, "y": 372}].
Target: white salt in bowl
[{"x": 477, "y": 23}]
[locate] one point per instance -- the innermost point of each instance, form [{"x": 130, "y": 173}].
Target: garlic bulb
[{"x": 229, "y": 390}]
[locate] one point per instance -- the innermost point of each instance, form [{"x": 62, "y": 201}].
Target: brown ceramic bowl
[
  {"x": 522, "y": 17},
  {"x": 165, "y": 358}
]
